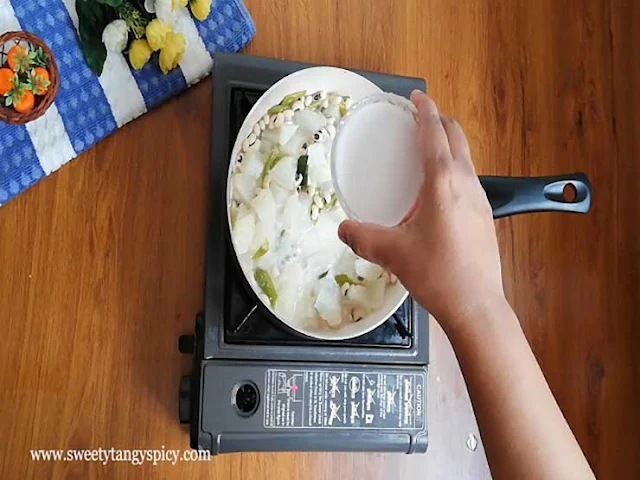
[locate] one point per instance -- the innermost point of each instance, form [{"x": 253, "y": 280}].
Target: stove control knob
[
  {"x": 245, "y": 398},
  {"x": 186, "y": 344},
  {"x": 184, "y": 401}
]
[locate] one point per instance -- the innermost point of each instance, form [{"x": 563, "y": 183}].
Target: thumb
[{"x": 370, "y": 241}]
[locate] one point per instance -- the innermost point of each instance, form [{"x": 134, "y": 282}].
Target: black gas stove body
[{"x": 258, "y": 386}]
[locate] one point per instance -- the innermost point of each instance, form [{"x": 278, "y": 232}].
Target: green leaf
[
  {"x": 276, "y": 109},
  {"x": 261, "y": 252},
  {"x": 343, "y": 278},
  {"x": 92, "y": 18},
  {"x": 40, "y": 58},
  {"x": 332, "y": 203},
  {"x": 263, "y": 279},
  {"x": 303, "y": 169},
  {"x": 95, "y": 54},
  {"x": 288, "y": 100},
  {"x": 272, "y": 159},
  {"x": 111, "y": 3}
]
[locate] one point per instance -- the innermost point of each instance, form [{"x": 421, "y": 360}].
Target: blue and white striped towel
[{"x": 76, "y": 121}]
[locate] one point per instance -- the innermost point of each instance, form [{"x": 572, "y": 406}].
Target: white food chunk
[
  {"x": 284, "y": 173},
  {"x": 320, "y": 246},
  {"x": 289, "y": 290},
  {"x": 305, "y": 310},
  {"x": 267, "y": 262},
  {"x": 266, "y": 145},
  {"x": 332, "y": 111},
  {"x": 294, "y": 145},
  {"x": 252, "y": 163},
  {"x": 367, "y": 298},
  {"x": 309, "y": 121},
  {"x": 319, "y": 171},
  {"x": 239, "y": 210},
  {"x": 243, "y": 232},
  {"x": 317, "y": 153},
  {"x": 270, "y": 136},
  {"x": 327, "y": 303},
  {"x": 286, "y": 131},
  {"x": 243, "y": 209},
  {"x": 265, "y": 207},
  {"x": 376, "y": 293},
  {"x": 323, "y": 239},
  {"x": 359, "y": 296},
  {"x": 243, "y": 187},
  {"x": 259, "y": 237},
  {"x": 274, "y": 271},
  {"x": 280, "y": 195},
  {"x": 367, "y": 270},
  {"x": 295, "y": 216},
  {"x": 346, "y": 263}
]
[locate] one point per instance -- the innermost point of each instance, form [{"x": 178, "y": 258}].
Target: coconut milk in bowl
[{"x": 375, "y": 161}]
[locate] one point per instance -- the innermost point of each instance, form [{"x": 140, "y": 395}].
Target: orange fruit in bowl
[
  {"x": 23, "y": 101},
  {"x": 18, "y": 58},
  {"x": 40, "y": 79},
  {"x": 6, "y": 81}
]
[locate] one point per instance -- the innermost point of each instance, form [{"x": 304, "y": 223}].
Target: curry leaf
[
  {"x": 93, "y": 16},
  {"x": 303, "y": 170}
]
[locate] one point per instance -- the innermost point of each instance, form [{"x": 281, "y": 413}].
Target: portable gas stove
[{"x": 257, "y": 386}]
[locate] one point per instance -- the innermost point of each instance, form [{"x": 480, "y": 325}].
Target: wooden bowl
[{"x": 42, "y": 102}]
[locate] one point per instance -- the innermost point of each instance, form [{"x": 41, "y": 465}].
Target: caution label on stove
[{"x": 379, "y": 399}]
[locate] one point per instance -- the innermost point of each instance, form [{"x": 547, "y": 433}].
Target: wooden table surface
[{"x": 101, "y": 265}]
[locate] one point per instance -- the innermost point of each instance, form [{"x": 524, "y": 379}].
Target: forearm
[
  {"x": 445, "y": 252},
  {"x": 523, "y": 430}
]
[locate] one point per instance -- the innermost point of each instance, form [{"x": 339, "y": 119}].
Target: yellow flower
[
  {"x": 200, "y": 8},
  {"x": 139, "y": 53},
  {"x": 172, "y": 51},
  {"x": 157, "y": 33}
]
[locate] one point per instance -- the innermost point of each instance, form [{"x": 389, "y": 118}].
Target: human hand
[{"x": 445, "y": 250}]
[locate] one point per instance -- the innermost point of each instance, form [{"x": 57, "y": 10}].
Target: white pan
[{"x": 313, "y": 79}]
